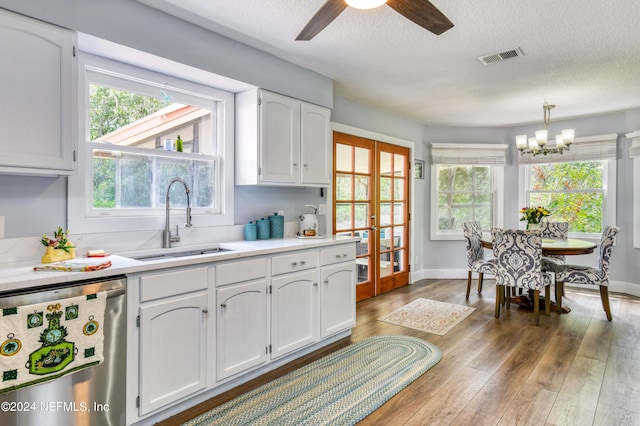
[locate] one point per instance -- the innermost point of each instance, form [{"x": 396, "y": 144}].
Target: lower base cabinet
[
  {"x": 232, "y": 318},
  {"x": 241, "y": 332}
]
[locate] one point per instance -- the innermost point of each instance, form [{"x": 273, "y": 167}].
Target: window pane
[
  {"x": 398, "y": 189},
  {"x": 399, "y": 166},
  {"x": 134, "y": 184},
  {"x": 343, "y": 187},
  {"x": 385, "y": 188},
  {"x": 385, "y": 214},
  {"x": 385, "y": 164},
  {"x": 343, "y": 216},
  {"x": 362, "y": 216},
  {"x": 398, "y": 213},
  {"x": 343, "y": 158},
  {"x": 362, "y": 160},
  {"x": 362, "y": 188},
  {"x": 104, "y": 183},
  {"x": 572, "y": 191}
]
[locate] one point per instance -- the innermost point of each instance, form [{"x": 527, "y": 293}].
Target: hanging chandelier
[{"x": 538, "y": 145}]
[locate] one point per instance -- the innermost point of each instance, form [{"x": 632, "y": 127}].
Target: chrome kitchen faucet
[{"x": 167, "y": 238}]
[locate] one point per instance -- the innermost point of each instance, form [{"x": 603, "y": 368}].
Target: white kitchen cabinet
[
  {"x": 37, "y": 106},
  {"x": 172, "y": 319},
  {"x": 241, "y": 334},
  {"x": 337, "y": 289},
  {"x": 241, "y": 316},
  {"x": 281, "y": 141},
  {"x": 294, "y": 312}
]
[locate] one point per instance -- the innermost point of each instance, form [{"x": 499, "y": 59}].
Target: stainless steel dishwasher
[{"x": 92, "y": 396}]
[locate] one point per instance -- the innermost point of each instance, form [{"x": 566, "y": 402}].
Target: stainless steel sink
[{"x": 176, "y": 254}]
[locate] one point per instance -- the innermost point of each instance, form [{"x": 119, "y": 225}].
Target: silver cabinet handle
[
  {"x": 315, "y": 284},
  {"x": 205, "y": 311},
  {"x": 294, "y": 264},
  {"x": 223, "y": 305},
  {"x": 303, "y": 262}
]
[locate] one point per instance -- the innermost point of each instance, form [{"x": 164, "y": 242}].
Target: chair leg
[
  {"x": 507, "y": 296},
  {"x": 604, "y": 295},
  {"x": 536, "y": 306},
  {"x": 480, "y": 282},
  {"x": 559, "y": 293},
  {"x": 547, "y": 300},
  {"x": 499, "y": 291},
  {"x": 468, "y": 284}
]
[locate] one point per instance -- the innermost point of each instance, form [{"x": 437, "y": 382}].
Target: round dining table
[{"x": 565, "y": 247}]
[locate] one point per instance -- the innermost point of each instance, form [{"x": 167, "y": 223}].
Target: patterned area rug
[
  {"x": 339, "y": 389},
  {"x": 429, "y": 316}
]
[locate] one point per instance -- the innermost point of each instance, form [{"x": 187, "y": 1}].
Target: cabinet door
[
  {"x": 173, "y": 349},
  {"x": 315, "y": 144},
  {"x": 337, "y": 298},
  {"x": 294, "y": 312},
  {"x": 279, "y": 138},
  {"x": 241, "y": 327},
  {"x": 36, "y": 106}
]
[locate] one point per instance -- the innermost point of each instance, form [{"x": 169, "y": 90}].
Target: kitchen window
[
  {"x": 467, "y": 184},
  {"x": 141, "y": 129},
  {"x": 578, "y": 186}
]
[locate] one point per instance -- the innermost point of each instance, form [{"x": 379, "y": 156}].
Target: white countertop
[{"x": 18, "y": 276}]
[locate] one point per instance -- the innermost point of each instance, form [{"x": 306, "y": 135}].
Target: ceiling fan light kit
[
  {"x": 365, "y": 4},
  {"x": 538, "y": 145},
  {"x": 421, "y": 12}
]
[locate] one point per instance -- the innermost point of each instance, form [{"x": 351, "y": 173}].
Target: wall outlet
[
  {"x": 322, "y": 209},
  {"x": 1, "y": 226}
]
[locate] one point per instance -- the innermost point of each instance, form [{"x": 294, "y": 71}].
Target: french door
[{"x": 371, "y": 200}]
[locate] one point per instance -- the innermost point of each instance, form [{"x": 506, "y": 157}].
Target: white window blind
[
  {"x": 600, "y": 147},
  {"x": 468, "y": 153}
]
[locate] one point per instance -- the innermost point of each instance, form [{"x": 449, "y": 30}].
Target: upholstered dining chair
[
  {"x": 556, "y": 230},
  {"x": 518, "y": 263},
  {"x": 475, "y": 254},
  {"x": 586, "y": 275}
]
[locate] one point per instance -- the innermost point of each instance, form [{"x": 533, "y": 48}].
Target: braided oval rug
[{"x": 339, "y": 389}]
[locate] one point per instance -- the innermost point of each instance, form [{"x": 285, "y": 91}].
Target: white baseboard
[{"x": 632, "y": 289}]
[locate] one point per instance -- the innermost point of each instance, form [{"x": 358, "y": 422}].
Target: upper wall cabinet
[
  {"x": 37, "y": 82},
  {"x": 281, "y": 141}
]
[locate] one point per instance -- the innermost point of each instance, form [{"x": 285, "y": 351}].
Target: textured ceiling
[{"x": 581, "y": 55}]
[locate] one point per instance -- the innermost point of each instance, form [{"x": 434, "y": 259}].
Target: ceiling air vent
[{"x": 500, "y": 56}]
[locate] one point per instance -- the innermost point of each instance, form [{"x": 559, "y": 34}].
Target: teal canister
[
  {"x": 250, "y": 231},
  {"x": 264, "y": 231},
  {"x": 276, "y": 227}
]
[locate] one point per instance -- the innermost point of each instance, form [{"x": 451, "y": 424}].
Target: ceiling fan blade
[
  {"x": 423, "y": 13},
  {"x": 323, "y": 17}
]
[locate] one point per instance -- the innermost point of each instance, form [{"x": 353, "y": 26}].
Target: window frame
[
  {"x": 608, "y": 190},
  {"x": 497, "y": 185},
  {"x": 83, "y": 218}
]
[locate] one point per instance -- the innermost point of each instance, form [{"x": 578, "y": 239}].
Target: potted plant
[{"x": 58, "y": 248}]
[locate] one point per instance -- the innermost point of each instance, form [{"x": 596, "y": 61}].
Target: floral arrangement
[
  {"x": 60, "y": 240},
  {"x": 534, "y": 214}
]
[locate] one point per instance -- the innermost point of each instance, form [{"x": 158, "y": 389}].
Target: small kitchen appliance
[{"x": 309, "y": 223}]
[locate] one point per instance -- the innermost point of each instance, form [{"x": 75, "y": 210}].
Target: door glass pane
[
  {"x": 343, "y": 187},
  {"x": 398, "y": 264},
  {"x": 343, "y": 216},
  {"x": 385, "y": 164},
  {"x": 398, "y": 213},
  {"x": 362, "y": 160},
  {"x": 362, "y": 188},
  {"x": 385, "y": 214},
  {"x": 398, "y": 189},
  {"x": 362, "y": 215},
  {"x": 385, "y": 189},
  {"x": 398, "y": 236},
  {"x": 398, "y": 165},
  {"x": 343, "y": 158}
]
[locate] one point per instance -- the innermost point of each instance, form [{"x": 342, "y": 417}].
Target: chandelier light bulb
[
  {"x": 521, "y": 141},
  {"x": 559, "y": 141},
  {"x": 538, "y": 145},
  {"x": 567, "y": 136},
  {"x": 541, "y": 137}
]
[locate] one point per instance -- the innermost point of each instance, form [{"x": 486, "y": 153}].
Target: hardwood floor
[{"x": 574, "y": 369}]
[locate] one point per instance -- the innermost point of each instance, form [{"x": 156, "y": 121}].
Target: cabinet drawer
[
  {"x": 165, "y": 284},
  {"x": 298, "y": 261},
  {"x": 236, "y": 272},
  {"x": 337, "y": 254}
]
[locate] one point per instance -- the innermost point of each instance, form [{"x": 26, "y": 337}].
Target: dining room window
[
  {"x": 467, "y": 184},
  {"x": 578, "y": 186}
]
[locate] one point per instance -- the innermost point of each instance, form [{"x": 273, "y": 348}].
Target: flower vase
[
  {"x": 56, "y": 255},
  {"x": 533, "y": 226}
]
